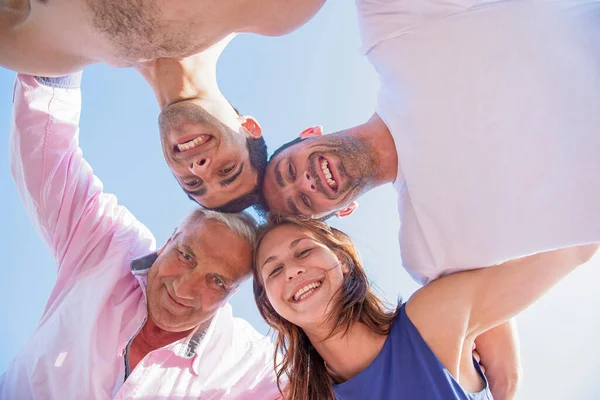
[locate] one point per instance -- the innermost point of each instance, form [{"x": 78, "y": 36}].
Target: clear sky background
[{"x": 313, "y": 76}]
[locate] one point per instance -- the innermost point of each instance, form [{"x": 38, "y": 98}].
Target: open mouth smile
[
  {"x": 306, "y": 291},
  {"x": 188, "y": 143},
  {"x": 327, "y": 174}
]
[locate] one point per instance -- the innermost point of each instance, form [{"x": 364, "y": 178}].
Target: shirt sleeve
[{"x": 57, "y": 186}]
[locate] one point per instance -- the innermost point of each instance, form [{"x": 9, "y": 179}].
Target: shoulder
[
  {"x": 254, "y": 340},
  {"x": 435, "y": 313}
]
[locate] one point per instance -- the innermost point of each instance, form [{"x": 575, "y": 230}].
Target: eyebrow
[
  {"x": 200, "y": 192},
  {"x": 232, "y": 178},
  {"x": 225, "y": 182},
  {"x": 293, "y": 244},
  {"x": 278, "y": 175}
]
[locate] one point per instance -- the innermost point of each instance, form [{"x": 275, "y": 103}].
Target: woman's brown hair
[{"x": 304, "y": 368}]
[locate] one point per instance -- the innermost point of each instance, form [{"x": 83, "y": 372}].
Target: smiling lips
[
  {"x": 190, "y": 144},
  {"x": 328, "y": 175},
  {"x": 306, "y": 291}
]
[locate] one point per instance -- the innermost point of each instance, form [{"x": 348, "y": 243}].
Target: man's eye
[
  {"x": 219, "y": 282},
  {"x": 185, "y": 256},
  {"x": 192, "y": 184},
  {"x": 228, "y": 170},
  {"x": 305, "y": 200},
  {"x": 291, "y": 171}
]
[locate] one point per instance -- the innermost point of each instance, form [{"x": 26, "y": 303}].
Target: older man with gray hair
[{"x": 125, "y": 320}]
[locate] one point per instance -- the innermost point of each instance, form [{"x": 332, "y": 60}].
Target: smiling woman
[
  {"x": 340, "y": 341},
  {"x": 333, "y": 287}
]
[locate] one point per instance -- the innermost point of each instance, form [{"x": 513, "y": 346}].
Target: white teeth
[
  {"x": 306, "y": 290},
  {"x": 192, "y": 143},
  {"x": 325, "y": 168}
]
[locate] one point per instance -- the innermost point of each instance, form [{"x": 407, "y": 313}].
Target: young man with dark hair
[{"x": 217, "y": 156}]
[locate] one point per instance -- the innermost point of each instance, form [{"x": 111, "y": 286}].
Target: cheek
[{"x": 275, "y": 295}]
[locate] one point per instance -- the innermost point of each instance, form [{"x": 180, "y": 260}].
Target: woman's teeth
[
  {"x": 330, "y": 181},
  {"x": 193, "y": 143},
  {"x": 306, "y": 290}
]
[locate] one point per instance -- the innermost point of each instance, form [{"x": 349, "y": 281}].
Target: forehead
[
  {"x": 219, "y": 194},
  {"x": 277, "y": 196},
  {"x": 215, "y": 244},
  {"x": 280, "y": 238}
]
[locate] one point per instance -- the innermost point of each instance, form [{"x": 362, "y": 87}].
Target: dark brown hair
[{"x": 300, "y": 363}]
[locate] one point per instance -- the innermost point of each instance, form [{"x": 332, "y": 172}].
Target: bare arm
[
  {"x": 454, "y": 310},
  {"x": 499, "y": 352}
]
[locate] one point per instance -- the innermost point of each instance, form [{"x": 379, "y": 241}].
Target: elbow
[
  {"x": 506, "y": 387},
  {"x": 583, "y": 254}
]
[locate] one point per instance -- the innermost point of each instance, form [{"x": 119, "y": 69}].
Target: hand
[{"x": 477, "y": 357}]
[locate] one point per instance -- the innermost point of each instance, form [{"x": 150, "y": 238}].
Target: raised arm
[
  {"x": 58, "y": 188},
  {"x": 498, "y": 349},
  {"x": 453, "y": 311}
]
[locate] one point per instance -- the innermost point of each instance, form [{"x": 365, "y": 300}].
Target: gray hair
[{"x": 240, "y": 223}]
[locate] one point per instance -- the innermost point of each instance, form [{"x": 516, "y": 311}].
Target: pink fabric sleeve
[{"x": 63, "y": 198}]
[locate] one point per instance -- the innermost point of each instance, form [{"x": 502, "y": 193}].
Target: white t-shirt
[{"x": 494, "y": 107}]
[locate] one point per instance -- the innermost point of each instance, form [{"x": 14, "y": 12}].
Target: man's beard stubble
[{"x": 358, "y": 163}]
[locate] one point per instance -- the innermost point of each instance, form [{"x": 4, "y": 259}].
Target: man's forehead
[
  {"x": 233, "y": 265},
  {"x": 226, "y": 190},
  {"x": 272, "y": 190}
]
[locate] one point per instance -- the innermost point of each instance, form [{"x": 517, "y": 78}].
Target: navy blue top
[{"x": 406, "y": 368}]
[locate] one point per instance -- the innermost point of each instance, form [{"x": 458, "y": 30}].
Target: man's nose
[
  {"x": 307, "y": 183},
  {"x": 201, "y": 168},
  {"x": 292, "y": 271},
  {"x": 186, "y": 286}
]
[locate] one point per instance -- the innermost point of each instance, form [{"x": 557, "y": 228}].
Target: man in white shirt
[{"x": 487, "y": 124}]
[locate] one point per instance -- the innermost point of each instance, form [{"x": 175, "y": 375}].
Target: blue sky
[{"x": 313, "y": 76}]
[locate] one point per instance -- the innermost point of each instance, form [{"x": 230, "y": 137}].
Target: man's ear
[
  {"x": 348, "y": 210},
  {"x": 312, "y": 131},
  {"x": 251, "y": 126}
]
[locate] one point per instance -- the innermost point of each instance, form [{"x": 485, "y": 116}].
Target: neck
[
  {"x": 347, "y": 355},
  {"x": 151, "y": 337},
  {"x": 194, "y": 77},
  {"x": 376, "y": 133}
]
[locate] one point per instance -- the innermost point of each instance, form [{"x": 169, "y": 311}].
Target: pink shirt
[{"x": 97, "y": 304}]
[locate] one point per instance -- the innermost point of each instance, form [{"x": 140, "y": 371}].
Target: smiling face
[
  {"x": 208, "y": 158},
  {"x": 300, "y": 275},
  {"x": 319, "y": 175},
  {"x": 196, "y": 272}
]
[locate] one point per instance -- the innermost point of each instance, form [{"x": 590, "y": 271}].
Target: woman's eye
[
  {"x": 303, "y": 253},
  {"x": 275, "y": 271},
  {"x": 227, "y": 170},
  {"x": 192, "y": 184}
]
